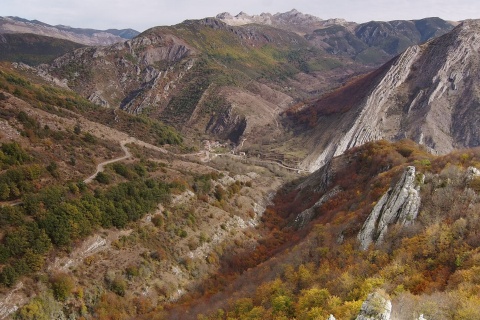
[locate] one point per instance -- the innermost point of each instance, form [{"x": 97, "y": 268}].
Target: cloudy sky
[{"x": 143, "y": 14}]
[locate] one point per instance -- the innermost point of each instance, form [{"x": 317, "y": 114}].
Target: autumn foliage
[{"x": 429, "y": 266}]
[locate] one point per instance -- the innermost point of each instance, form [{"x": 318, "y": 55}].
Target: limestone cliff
[
  {"x": 429, "y": 94},
  {"x": 398, "y": 205}
]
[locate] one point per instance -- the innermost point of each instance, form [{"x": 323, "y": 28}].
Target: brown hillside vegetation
[
  {"x": 145, "y": 230},
  {"x": 427, "y": 268},
  {"x": 339, "y": 100}
]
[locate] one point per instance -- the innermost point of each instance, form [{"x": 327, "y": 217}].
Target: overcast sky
[{"x": 143, "y": 14}]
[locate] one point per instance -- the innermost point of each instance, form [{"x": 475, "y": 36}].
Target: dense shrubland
[{"x": 58, "y": 216}]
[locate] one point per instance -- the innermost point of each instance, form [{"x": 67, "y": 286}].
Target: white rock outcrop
[
  {"x": 472, "y": 173},
  {"x": 397, "y": 205},
  {"x": 375, "y": 307}
]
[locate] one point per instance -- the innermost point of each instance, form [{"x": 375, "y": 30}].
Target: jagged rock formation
[
  {"x": 428, "y": 94},
  {"x": 397, "y": 205},
  {"x": 375, "y": 307},
  {"x": 228, "y": 125},
  {"x": 292, "y": 20},
  {"x": 88, "y": 37}
]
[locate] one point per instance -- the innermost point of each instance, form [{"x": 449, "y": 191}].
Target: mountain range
[
  {"x": 277, "y": 166},
  {"x": 255, "y": 72},
  {"x": 426, "y": 94},
  {"x": 83, "y": 36}
]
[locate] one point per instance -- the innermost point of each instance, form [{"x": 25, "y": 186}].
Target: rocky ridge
[
  {"x": 428, "y": 94},
  {"x": 292, "y": 20},
  {"x": 186, "y": 74},
  {"x": 371, "y": 43}
]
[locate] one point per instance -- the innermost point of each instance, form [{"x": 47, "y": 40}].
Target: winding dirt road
[
  {"x": 123, "y": 143},
  {"x": 101, "y": 165}
]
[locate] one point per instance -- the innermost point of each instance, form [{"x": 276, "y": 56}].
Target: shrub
[
  {"x": 102, "y": 178},
  {"x": 475, "y": 184},
  {"x": 118, "y": 286},
  {"x": 62, "y": 286}
]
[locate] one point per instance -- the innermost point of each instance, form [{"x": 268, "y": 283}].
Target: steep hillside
[
  {"x": 33, "y": 49},
  {"x": 211, "y": 80},
  {"x": 376, "y": 42},
  {"x": 315, "y": 263},
  {"x": 429, "y": 94},
  {"x": 222, "y": 81},
  {"x": 89, "y": 37},
  {"x": 106, "y": 212},
  {"x": 101, "y": 209}
]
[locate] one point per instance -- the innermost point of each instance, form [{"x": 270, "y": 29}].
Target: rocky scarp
[
  {"x": 399, "y": 204},
  {"x": 430, "y": 94}
]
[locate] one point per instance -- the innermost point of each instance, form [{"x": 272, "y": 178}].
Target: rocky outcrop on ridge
[
  {"x": 398, "y": 205},
  {"x": 292, "y": 20},
  {"x": 429, "y": 94}
]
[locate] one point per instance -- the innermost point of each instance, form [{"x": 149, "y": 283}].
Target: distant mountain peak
[
  {"x": 294, "y": 11},
  {"x": 242, "y": 14},
  {"x": 292, "y": 20}
]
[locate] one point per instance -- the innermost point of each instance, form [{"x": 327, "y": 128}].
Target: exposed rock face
[
  {"x": 89, "y": 37},
  {"x": 228, "y": 125},
  {"x": 397, "y": 205},
  {"x": 429, "y": 94},
  {"x": 166, "y": 71},
  {"x": 376, "y": 307},
  {"x": 131, "y": 75},
  {"x": 472, "y": 173},
  {"x": 292, "y": 20},
  {"x": 96, "y": 98},
  {"x": 309, "y": 214}
]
